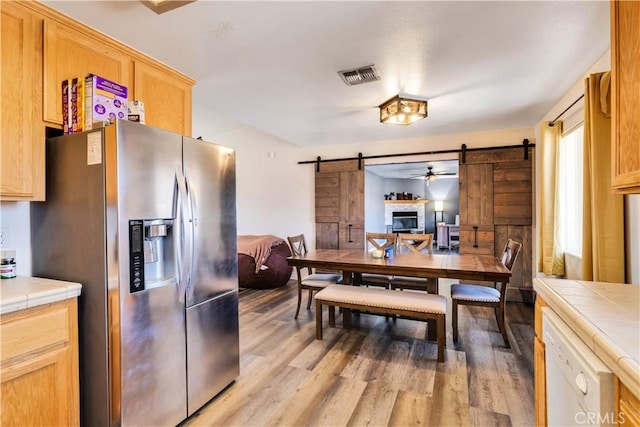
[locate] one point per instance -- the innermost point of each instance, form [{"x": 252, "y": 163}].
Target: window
[{"x": 569, "y": 200}]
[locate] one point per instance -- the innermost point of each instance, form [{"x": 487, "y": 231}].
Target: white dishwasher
[{"x": 579, "y": 385}]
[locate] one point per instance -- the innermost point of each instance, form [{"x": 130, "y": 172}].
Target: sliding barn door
[
  {"x": 339, "y": 197},
  {"x": 496, "y": 203}
]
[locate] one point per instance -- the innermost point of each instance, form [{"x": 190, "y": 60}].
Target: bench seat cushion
[{"x": 383, "y": 298}]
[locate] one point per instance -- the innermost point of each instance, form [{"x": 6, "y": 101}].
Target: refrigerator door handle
[
  {"x": 183, "y": 240},
  {"x": 192, "y": 253}
]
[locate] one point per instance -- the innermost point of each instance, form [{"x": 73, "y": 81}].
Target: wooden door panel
[
  {"x": 327, "y": 236},
  {"x": 352, "y": 197},
  {"x": 327, "y": 197},
  {"x": 477, "y": 190},
  {"x": 351, "y": 237}
]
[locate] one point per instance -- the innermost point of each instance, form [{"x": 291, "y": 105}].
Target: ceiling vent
[{"x": 359, "y": 75}]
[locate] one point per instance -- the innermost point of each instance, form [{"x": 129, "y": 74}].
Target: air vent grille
[{"x": 359, "y": 75}]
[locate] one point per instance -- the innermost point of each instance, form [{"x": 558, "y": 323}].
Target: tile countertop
[
  {"x": 606, "y": 316},
  {"x": 23, "y": 292}
]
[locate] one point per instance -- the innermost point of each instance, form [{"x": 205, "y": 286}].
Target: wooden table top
[{"x": 454, "y": 266}]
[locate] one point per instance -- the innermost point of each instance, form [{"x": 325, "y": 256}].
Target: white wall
[
  {"x": 374, "y": 191},
  {"x": 276, "y": 196},
  {"x": 14, "y": 217}
]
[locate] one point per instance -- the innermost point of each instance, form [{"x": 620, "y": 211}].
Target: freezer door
[
  {"x": 212, "y": 348},
  {"x": 151, "y": 322},
  {"x": 210, "y": 174}
]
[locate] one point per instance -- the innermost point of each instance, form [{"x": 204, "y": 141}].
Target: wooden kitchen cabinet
[
  {"x": 339, "y": 196},
  {"x": 40, "y": 48},
  {"x": 39, "y": 373},
  {"x": 625, "y": 96},
  {"x": 22, "y": 136},
  {"x": 70, "y": 51},
  {"x": 627, "y": 406},
  {"x": 539, "y": 367},
  {"x": 166, "y": 96}
]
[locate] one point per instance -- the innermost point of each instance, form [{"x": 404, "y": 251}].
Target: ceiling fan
[{"x": 432, "y": 176}]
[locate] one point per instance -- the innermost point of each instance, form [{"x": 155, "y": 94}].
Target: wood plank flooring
[{"x": 379, "y": 373}]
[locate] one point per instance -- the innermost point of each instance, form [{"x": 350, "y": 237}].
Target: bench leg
[
  {"x": 332, "y": 316},
  {"x": 442, "y": 337},
  {"x": 318, "y": 320},
  {"x": 346, "y": 318},
  {"x": 432, "y": 330}
]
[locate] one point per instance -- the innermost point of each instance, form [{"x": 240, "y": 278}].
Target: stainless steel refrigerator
[{"x": 145, "y": 220}]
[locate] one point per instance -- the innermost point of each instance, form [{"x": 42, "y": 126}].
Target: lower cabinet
[
  {"x": 39, "y": 373},
  {"x": 627, "y": 405},
  {"x": 539, "y": 367}
]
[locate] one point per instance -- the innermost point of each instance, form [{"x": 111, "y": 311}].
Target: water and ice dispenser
[{"x": 151, "y": 253}]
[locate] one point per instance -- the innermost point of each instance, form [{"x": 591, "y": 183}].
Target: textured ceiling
[{"x": 272, "y": 65}]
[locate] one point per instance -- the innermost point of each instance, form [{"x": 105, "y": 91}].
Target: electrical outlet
[{"x": 4, "y": 236}]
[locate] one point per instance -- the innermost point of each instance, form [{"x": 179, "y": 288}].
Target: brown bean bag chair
[{"x": 262, "y": 262}]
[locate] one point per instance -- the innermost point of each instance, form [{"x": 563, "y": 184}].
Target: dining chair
[
  {"x": 415, "y": 244},
  {"x": 312, "y": 281},
  {"x": 487, "y": 296},
  {"x": 379, "y": 241}
]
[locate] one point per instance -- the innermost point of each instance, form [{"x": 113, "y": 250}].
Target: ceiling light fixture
[
  {"x": 400, "y": 110},
  {"x": 162, "y": 6}
]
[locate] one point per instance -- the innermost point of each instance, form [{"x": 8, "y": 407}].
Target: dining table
[
  {"x": 353, "y": 262},
  {"x": 453, "y": 266}
]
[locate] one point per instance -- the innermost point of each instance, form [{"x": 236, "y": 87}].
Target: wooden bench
[{"x": 382, "y": 301}]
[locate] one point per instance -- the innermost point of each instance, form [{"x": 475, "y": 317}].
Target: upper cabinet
[
  {"x": 166, "y": 96},
  {"x": 40, "y": 48},
  {"x": 74, "y": 52},
  {"x": 22, "y": 135},
  {"x": 625, "y": 68}
]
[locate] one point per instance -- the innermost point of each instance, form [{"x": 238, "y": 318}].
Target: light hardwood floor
[{"x": 379, "y": 373}]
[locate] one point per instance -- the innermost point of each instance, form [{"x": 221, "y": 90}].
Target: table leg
[
  {"x": 432, "y": 327},
  {"x": 318, "y": 320}
]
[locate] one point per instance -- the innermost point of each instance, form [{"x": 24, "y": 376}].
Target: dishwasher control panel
[{"x": 579, "y": 384}]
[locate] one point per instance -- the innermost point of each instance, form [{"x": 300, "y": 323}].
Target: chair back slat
[
  {"x": 415, "y": 243},
  {"x": 298, "y": 245},
  {"x": 510, "y": 254},
  {"x": 381, "y": 241}
]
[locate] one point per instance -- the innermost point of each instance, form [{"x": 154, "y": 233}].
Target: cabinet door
[
  {"x": 39, "y": 373},
  {"x": 166, "y": 97},
  {"x": 540, "y": 382},
  {"x": 625, "y": 100},
  {"x": 22, "y": 137},
  {"x": 33, "y": 392},
  {"x": 71, "y": 52}
]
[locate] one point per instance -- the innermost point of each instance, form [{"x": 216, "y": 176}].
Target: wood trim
[{"x": 400, "y": 202}]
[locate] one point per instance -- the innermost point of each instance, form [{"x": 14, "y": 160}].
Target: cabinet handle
[
  {"x": 475, "y": 236},
  {"x": 350, "y": 240}
]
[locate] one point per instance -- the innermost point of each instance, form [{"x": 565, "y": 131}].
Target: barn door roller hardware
[{"x": 463, "y": 158}]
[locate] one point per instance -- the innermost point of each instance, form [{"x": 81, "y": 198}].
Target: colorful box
[
  {"x": 104, "y": 101},
  {"x": 136, "y": 111},
  {"x": 66, "y": 105},
  {"x": 73, "y": 105}
]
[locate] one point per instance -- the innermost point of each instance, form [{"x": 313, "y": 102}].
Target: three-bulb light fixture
[{"x": 402, "y": 110}]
